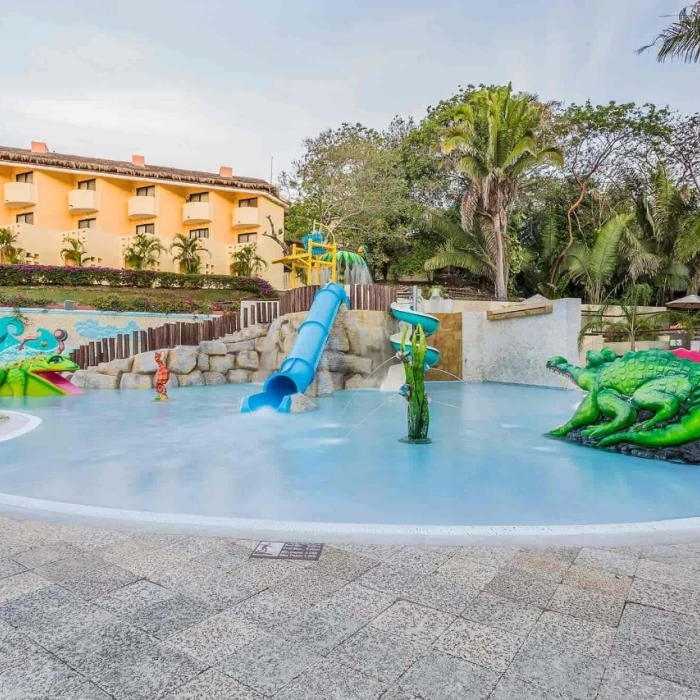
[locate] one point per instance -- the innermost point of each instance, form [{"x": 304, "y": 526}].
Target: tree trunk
[{"x": 501, "y": 269}]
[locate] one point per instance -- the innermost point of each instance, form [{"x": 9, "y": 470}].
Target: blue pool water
[{"x": 489, "y": 462}]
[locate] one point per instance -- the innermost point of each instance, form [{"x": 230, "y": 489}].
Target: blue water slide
[
  {"x": 298, "y": 370},
  {"x": 429, "y": 323}
]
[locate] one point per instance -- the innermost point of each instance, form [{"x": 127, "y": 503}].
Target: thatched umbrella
[{"x": 691, "y": 302}]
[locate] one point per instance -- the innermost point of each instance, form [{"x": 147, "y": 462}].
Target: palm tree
[
  {"x": 594, "y": 266},
  {"x": 498, "y": 137},
  {"x": 8, "y": 249},
  {"x": 681, "y": 39},
  {"x": 189, "y": 253},
  {"x": 247, "y": 262},
  {"x": 143, "y": 252},
  {"x": 74, "y": 252}
]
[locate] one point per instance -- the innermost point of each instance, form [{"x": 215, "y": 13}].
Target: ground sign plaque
[{"x": 305, "y": 551}]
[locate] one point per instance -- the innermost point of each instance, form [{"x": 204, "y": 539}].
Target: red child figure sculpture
[{"x": 162, "y": 377}]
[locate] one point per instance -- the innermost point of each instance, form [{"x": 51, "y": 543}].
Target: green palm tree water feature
[
  {"x": 413, "y": 390},
  {"x": 645, "y": 403}
]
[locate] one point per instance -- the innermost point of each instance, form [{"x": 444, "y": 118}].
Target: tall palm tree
[
  {"x": 143, "y": 252},
  {"x": 74, "y": 252},
  {"x": 681, "y": 39},
  {"x": 593, "y": 267},
  {"x": 8, "y": 249},
  {"x": 498, "y": 139},
  {"x": 189, "y": 253},
  {"x": 247, "y": 262}
]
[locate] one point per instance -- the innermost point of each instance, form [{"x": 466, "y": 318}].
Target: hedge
[
  {"x": 55, "y": 275},
  {"x": 189, "y": 306}
]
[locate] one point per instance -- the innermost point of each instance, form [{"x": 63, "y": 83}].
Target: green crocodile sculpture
[
  {"x": 654, "y": 381},
  {"x": 37, "y": 376}
]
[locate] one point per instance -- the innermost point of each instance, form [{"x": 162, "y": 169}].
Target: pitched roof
[{"x": 145, "y": 172}]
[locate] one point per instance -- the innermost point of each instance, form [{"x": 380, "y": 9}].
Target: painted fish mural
[{"x": 14, "y": 345}]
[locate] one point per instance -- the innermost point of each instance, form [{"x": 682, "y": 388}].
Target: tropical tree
[
  {"x": 247, "y": 262},
  {"x": 8, "y": 249},
  {"x": 681, "y": 39},
  {"x": 189, "y": 255},
  {"x": 74, "y": 252},
  {"x": 498, "y": 138},
  {"x": 143, "y": 252},
  {"x": 593, "y": 267}
]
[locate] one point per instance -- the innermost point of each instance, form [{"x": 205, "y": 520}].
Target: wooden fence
[{"x": 362, "y": 296}]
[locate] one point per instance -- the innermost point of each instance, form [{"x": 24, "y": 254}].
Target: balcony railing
[
  {"x": 83, "y": 201},
  {"x": 196, "y": 213},
  {"x": 142, "y": 207},
  {"x": 20, "y": 194},
  {"x": 246, "y": 216}
]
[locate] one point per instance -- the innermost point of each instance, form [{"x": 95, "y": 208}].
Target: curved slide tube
[
  {"x": 298, "y": 370},
  {"x": 429, "y": 323}
]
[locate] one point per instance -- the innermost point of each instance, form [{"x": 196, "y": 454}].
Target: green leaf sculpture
[{"x": 414, "y": 388}]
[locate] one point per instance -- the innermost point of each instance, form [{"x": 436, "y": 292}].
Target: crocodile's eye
[{"x": 56, "y": 359}]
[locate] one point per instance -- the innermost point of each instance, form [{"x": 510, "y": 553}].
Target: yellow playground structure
[{"x": 308, "y": 261}]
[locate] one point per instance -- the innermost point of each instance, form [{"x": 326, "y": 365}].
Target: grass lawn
[{"x": 129, "y": 297}]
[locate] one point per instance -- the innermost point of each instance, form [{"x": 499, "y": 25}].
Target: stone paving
[{"x": 94, "y": 614}]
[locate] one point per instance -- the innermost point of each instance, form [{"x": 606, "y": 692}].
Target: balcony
[
  {"x": 83, "y": 201},
  {"x": 20, "y": 194},
  {"x": 196, "y": 213},
  {"x": 142, "y": 207},
  {"x": 246, "y": 216}
]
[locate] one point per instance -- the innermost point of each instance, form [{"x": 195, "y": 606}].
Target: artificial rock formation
[{"x": 357, "y": 345}]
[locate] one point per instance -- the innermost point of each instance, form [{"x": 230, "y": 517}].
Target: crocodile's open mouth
[
  {"x": 56, "y": 380},
  {"x": 561, "y": 373}
]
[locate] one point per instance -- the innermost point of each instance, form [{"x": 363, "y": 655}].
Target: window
[
  {"x": 87, "y": 223},
  {"x": 247, "y": 237},
  {"x": 199, "y": 233},
  {"x": 146, "y": 228},
  {"x": 250, "y": 202},
  {"x": 198, "y": 197},
  {"x": 149, "y": 191},
  {"x": 25, "y": 177},
  {"x": 25, "y": 218},
  {"x": 87, "y": 185}
]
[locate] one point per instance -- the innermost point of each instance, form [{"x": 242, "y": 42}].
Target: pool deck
[{"x": 93, "y": 614}]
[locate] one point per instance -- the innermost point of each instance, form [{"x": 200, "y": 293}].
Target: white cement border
[
  {"x": 19, "y": 424},
  {"x": 663, "y": 531}
]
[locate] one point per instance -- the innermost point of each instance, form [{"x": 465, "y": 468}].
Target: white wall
[{"x": 516, "y": 350}]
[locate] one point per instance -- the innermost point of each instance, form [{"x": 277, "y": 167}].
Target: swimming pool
[{"x": 489, "y": 464}]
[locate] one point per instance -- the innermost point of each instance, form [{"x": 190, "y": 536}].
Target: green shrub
[{"x": 112, "y": 302}]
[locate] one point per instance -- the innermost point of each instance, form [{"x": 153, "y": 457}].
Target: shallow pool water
[{"x": 489, "y": 464}]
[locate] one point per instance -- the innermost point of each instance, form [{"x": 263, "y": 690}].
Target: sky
[{"x": 210, "y": 83}]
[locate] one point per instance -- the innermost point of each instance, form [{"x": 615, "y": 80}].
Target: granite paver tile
[
  {"x": 169, "y": 616},
  {"x": 134, "y": 596},
  {"x": 269, "y": 608},
  {"x": 268, "y": 664},
  {"x": 659, "y": 595},
  {"x": 216, "y": 637},
  {"x": 573, "y": 634},
  {"x": 541, "y": 563},
  {"x": 412, "y": 621},
  {"x": 442, "y": 592},
  {"x": 40, "y": 677},
  {"x": 150, "y": 563},
  {"x": 46, "y": 554},
  {"x": 345, "y": 565},
  {"x": 212, "y": 685},
  {"x": 391, "y": 578},
  {"x": 521, "y": 587},
  {"x": 9, "y": 567},
  {"x": 21, "y": 584},
  {"x": 267, "y": 572},
  {"x": 378, "y": 552},
  {"x": 87, "y": 691},
  {"x": 607, "y": 560},
  {"x": 97, "y": 582},
  {"x": 491, "y": 557},
  {"x": 671, "y": 554},
  {"x": 423, "y": 560},
  {"x": 669, "y": 574},
  {"x": 225, "y": 559},
  {"x": 357, "y": 601},
  {"x": 193, "y": 547},
  {"x": 632, "y": 685},
  {"x": 378, "y": 654},
  {"x": 308, "y": 586},
  {"x": 511, "y": 687},
  {"x": 557, "y": 670},
  {"x": 482, "y": 645},
  {"x": 643, "y": 620},
  {"x": 70, "y": 567},
  {"x": 587, "y": 605},
  {"x": 472, "y": 574},
  {"x": 330, "y": 680},
  {"x": 15, "y": 648},
  {"x": 147, "y": 673},
  {"x": 319, "y": 630},
  {"x": 440, "y": 676},
  {"x": 36, "y": 605},
  {"x": 503, "y": 614},
  {"x": 90, "y": 538},
  {"x": 584, "y": 576},
  {"x": 399, "y": 694}
]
